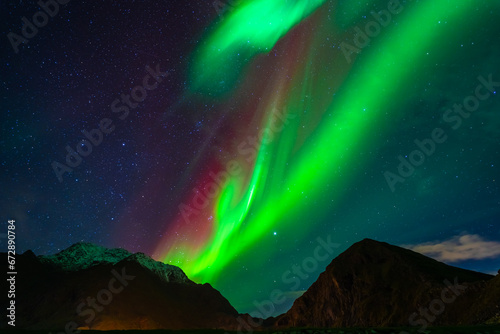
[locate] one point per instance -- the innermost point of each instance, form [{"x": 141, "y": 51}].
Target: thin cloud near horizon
[{"x": 459, "y": 248}]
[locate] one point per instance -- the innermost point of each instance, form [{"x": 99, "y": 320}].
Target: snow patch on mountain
[{"x": 83, "y": 255}]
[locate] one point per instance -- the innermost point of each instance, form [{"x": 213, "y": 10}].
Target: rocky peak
[
  {"x": 83, "y": 255},
  {"x": 166, "y": 272},
  {"x": 377, "y": 284}
]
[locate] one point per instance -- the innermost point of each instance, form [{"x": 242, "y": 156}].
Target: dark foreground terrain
[
  {"x": 372, "y": 286},
  {"x": 492, "y": 329}
]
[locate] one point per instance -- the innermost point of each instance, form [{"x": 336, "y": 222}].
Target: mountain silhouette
[
  {"x": 371, "y": 284},
  {"x": 375, "y": 284},
  {"x": 91, "y": 287}
]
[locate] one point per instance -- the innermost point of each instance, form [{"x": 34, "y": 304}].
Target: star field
[{"x": 228, "y": 144}]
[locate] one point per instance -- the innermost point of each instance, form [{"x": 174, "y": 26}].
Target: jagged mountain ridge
[
  {"x": 83, "y": 255},
  {"x": 370, "y": 284},
  {"x": 92, "y": 287}
]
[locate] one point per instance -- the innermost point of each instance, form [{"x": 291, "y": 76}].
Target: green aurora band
[
  {"x": 253, "y": 28},
  {"x": 285, "y": 171}
]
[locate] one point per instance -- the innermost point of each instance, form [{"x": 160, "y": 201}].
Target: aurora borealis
[{"x": 274, "y": 128}]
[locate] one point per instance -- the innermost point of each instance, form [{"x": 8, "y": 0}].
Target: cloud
[{"x": 459, "y": 248}]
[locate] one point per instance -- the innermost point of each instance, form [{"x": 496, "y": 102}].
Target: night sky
[{"x": 228, "y": 140}]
